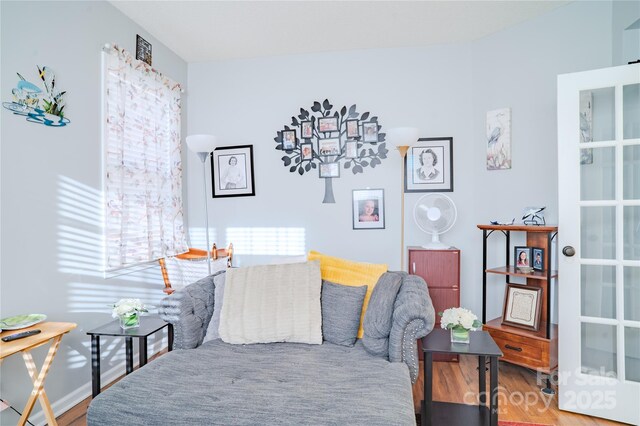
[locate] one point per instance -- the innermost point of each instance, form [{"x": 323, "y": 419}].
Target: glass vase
[
  {"x": 130, "y": 321},
  {"x": 459, "y": 335}
]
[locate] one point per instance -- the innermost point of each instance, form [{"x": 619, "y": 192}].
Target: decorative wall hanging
[
  {"x": 368, "y": 208},
  {"x": 143, "y": 50},
  {"x": 37, "y": 106},
  {"x": 429, "y": 166},
  {"x": 499, "y": 139},
  {"x": 324, "y": 139},
  {"x": 232, "y": 171}
]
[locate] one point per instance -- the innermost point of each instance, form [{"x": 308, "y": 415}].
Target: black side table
[
  {"x": 148, "y": 326},
  {"x": 435, "y": 413}
]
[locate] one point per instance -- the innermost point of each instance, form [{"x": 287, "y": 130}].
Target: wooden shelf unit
[{"x": 531, "y": 349}]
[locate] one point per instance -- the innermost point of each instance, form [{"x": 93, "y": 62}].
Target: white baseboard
[{"x": 72, "y": 399}]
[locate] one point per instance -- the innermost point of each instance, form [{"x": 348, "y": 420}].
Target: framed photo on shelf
[
  {"x": 429, "y": 166},
  {"x": 329, "y": 170},
  {"x": 368, "y": 209},
  {"x": 522, "y": 305},
  {"x": 328, "y": 124},
  {"x": 288, "y": 140},
  {"x": 351, "y": 149},
  {"x": 522, "y": 257},
  {"x": 330, "y": 146},
  {"x": 306, "y": 151},
  {"x": 538, "y": 259},
  {"x": 306, "y": 130},
  {"x": 370, "y": 131},
  {"x": 232, "y": 171},
  {"x": 353, "y": 130}
]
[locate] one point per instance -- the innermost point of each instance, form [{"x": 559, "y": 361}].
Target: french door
[{"x": 599, "y": 218}]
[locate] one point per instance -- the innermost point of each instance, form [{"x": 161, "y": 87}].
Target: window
[{"x": 142, "y": 163}]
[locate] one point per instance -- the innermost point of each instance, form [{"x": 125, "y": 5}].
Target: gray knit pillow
[
  {"x": 341, "y": 310},
  {"x": 379, "y": 316}
]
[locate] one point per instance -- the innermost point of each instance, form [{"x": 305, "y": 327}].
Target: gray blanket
[{"x": 260, "y": 384}]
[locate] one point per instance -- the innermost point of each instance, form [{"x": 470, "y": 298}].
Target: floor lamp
[
  {"x": 402, "y": 138},
  {"x": 203, "y": 145}
]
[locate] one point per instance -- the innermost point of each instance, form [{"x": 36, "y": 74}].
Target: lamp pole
[{"x": 402, "y": 149}]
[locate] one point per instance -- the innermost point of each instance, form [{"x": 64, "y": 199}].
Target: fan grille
[{"x": 435, "y": 213}]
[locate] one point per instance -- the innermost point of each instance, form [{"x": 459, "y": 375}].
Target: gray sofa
[{"x": 270, "y": 384}]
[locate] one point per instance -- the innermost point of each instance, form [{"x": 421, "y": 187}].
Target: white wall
[
  {"x": 443, "y": 90},
  {"x": 50, "y": 197}
]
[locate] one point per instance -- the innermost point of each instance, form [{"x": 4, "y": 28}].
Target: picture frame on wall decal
[
  {"x": 353, "y": 129},
  {"x": 306, "y": 151},
  {"x": 522, "y": 306},
  {"x": 306, "y": 129},
  {"x": 368, "y": 209},
  {"x": 288, "y": 140},
  {"x": 329, "y": 146},
  {"x": 370, "y": 132},
  {"x": 329, "y": 170},
  {"x": 328, "y": 124},
  {"x": 232, "y": 171},
  {"x": 429, "y": 166},
  {"x": 351, "y": 149}
]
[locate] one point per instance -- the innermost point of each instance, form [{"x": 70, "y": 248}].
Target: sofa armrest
[
  {"x": 413, "y": 318},
  {"x": 189, "y": 310}
]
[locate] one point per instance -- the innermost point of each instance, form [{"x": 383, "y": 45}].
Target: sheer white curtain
[{"x": 142, "y": 163}]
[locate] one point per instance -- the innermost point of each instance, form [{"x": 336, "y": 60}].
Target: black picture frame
[
  {"x": 328, "y": 124},
  {"x": 143, "y": 50},
  {"x": 537, "y": 259},
  {"x": 420, "y": 177},
  {"x": 329, "y": 170},
  {"x": 524, "y": 262},
  {"x": 306, "y": 151},
  {"x": 352, "y": 128},
  {"x": 370, "y": 131},
  {"x": 361, "y": 197},
  {"x": 229, "y": 179},
  {"x": 289, "y": 140},
  {"x": 306, "y": 130}
]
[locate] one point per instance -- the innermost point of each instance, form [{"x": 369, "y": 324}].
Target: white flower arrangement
[
  {"x": 457, "y": 318},
  {"x": 128, "y": 307}
]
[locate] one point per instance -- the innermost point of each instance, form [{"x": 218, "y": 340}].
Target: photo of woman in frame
[{"x": 288, "y": 140}]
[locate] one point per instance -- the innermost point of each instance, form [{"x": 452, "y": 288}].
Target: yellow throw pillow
[{"x": 348, "y": 272}]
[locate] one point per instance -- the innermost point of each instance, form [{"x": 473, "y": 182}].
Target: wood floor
[{"x": 520, "y": 399}]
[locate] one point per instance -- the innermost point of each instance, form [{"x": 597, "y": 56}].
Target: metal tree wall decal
[{"x": 342, "y": 138}]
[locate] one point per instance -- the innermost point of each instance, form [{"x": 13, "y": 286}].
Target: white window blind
[{"x": 142, "y": 163}]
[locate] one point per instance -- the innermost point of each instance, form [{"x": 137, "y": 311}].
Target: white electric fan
[{"x": 435, "y": 214}]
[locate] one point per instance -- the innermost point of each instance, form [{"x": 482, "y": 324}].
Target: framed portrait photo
[
  {"x": 306, "y": 151},
  {"x": 329, "y": 170},
  {"x": 306, "y": 130},
  {"x": 522, "y": 257},
  {"x": 351, "y": 149},
  {"x": 537, "y": 257},
  {"x": 288, "y": 140},
  {"x": 353, "y": 129},
  {"x": 232, "y": 171},
  {"x": 368, "y": 209},
  {"x": 330, "y": 146},
  {"x": 429, "y": 166},
  {"x": 370, "y": 132},
  {"x": 522, "y": 305},
  {"x": 328, "y": 124}
]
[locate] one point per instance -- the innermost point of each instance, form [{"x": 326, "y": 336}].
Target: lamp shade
[
  {"x": 201, "y": 143},
  {"x": 402, "y": 136}
]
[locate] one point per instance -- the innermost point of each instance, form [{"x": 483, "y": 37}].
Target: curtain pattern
[{"x": 143, "y": 166}]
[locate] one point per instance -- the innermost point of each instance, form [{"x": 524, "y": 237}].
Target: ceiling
[{"x": 217, "y": 30}]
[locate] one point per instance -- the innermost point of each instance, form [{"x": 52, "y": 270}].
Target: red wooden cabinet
[{"x": 441, "y": 270}]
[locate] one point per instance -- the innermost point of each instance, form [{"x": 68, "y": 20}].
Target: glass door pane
[
  {"x": 631, "y": 232},
  {"x": 599, "y": 350},
  {"x": 597, "y": 115},
  {"x": 598, "y": 232},
  {"x": 597, "y": 174},
  {"x": 598, "y": 291},
  {"x": 631, "y": 169},
  {"x": 631, "y": 111}
]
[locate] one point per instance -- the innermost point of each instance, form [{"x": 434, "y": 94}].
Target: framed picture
[
  {"x": 370, "y": 131},
  {"x": 232, "y": 171},
  {"x": 351, "y": 149},
  {"x": 328, "y": 124},
  {"x": 306, "y": 151},
  {"x": 306, "y": 130},
  {"x": 288, "y": 140},
  {"x": 538, "y": 259},
  {"x": 330, "y": 146},
  {"x": 143, "y": 50},
  {"x": 498, "y": 128},
  {"x": 522, "y": 306},
  {"x": 429, "y": 166},
  {"x": 329, "y": 170},
  {"x": 522, "y": 256},
  {"x": 368, "y": 209},
  {"x": 353, "y": 130}
]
